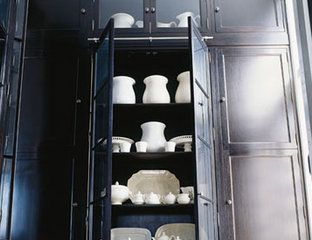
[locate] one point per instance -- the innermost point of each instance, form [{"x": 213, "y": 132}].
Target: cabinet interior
[{"x": 127, "y": 119}]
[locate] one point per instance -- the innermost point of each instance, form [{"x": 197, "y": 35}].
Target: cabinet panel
[
  {"x": 266, "y": 197},
  {"x": 249, "y": 16},
  {"x": 256, "y": 102},
  {"x": 5, "y": 199}
]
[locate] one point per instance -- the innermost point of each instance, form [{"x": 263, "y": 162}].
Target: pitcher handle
[{"x": 173, "y": 24}]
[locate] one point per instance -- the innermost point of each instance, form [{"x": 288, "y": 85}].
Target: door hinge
[
  {"x": 209, "y": 56},
  {"x": 92, "y": 25},
  {"x": 214, "y": 134},
  {"x": 218, "y": 219},
  {"x": 304, "y": 212},
  {"x": 103, "y": 192}
]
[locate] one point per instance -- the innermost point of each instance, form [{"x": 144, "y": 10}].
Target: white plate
[
  {"x": 118, "y": 140},
  {"x": 182, "y": 139},
  {"x": 130, "y": 234},
  {"x": 157, "y": 181},
  {"x": 186, "y": 231}
]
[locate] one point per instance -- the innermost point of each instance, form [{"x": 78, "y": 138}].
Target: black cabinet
[
  {"x": 194, "y": 168},
  {"x": 260, "y": 193}
]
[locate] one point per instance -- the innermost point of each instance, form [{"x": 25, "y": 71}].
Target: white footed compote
[
  {"x": 153, "y": 134},
  {"x": 183, "y": 93},
  {"x": 123, "y": 20},
  {"x": 123, "y": 91},
  {"x": 156, "y": 90}
]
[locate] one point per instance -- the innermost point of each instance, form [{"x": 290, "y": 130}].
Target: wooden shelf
[
  {"x": 134, "y": 156},
  {"x": 153, "y": 206}
]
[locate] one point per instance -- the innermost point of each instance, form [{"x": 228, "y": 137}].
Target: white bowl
[{"x": 120, "y": 194}]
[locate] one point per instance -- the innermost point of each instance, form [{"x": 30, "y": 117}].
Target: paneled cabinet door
[
  {"x": 256, "y": 99},
  {"x": 262, "y": 196},
  {"x": 100, "y": 149},
  {"x": 258, "y": 20},
  {"x": 200, "y": 74}
]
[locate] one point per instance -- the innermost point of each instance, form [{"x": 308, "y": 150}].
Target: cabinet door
[
  {"x": 256, "y": 99},
  {"x": 101, "y": 142},
  {"x": 249, "y": 22},
  {"x": 203, "y": 144}
]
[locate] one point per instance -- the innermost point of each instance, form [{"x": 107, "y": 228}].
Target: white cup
[
  {"x": 141, "y": 146},
  {"x": 125, "y": 147},
  {"x": 170, "y": 146}
]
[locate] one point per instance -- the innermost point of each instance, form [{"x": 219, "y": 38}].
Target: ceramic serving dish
[
  {"x": 130, "y": 234},
  {"x": 160, "y": 182},
  {"x": 185, "y": 231}
]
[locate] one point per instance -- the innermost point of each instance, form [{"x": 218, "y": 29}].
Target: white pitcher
[
  {"x": 123, "y": 90},
  {"x": 183, "y": 22},
  {"x": 153, "y": 134},
  {"x": 183, "y": 93},
  {"x": 156, "y": 90}
]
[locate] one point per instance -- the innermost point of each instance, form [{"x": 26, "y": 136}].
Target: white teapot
[
  {"x": 169, "y": 198},
  {"x": 152, "y": 198},
  {"x": 137, "y": 199}
]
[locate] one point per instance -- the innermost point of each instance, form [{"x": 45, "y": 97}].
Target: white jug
[
  {"x": 183, "y": 93},
  {"x": 123, "y": 90},
  {"x": 156, "y": 90},
  {"x": 153, "y": 134},
  {"x": 183, "y": 22}
]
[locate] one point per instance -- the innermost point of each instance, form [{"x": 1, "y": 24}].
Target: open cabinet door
[
  {"x": 100, "y": 163},
  {"x": 202, "y": 139}
]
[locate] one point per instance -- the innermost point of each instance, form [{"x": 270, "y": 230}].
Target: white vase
[
  {"x": 183, "y": 93},
  {"x": 156, "y": 90},
  {"x": 153, "y": 134},
  {"x": 123, "y": 90}
]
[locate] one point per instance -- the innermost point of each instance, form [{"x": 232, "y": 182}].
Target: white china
[
  {"x": 169, "y": 198},
  {"x": 139, "y": 24},
  {"x": 183, "y": 22},
  {"x": 141, "y": 146},
  {"x": 189, "y": 190},
  {"x": 156, "y": 90},
  {"x": 116, "y": 147},
  {"x": 185, "y": 140},
  {"x": 163, "y": 237},
  {"x": 166, "y": 25},
  {"x": 152, "y": 198},
  {"x": 125, "y": 147},
  {"x": 159, "y": 182},
  {"x": 170, "y": 146},
  {"x": 185, "y": 231},
  {"x": 123, "y": 90},
  {"x": 119, "y": 194},
  {"x": 183, "y": 198},
  {"x": 130, "y": 233},
  {"x": 137, "y": 199},
  {"x": 153, "y": 134},
  {"x": 123, "y": 20},
  {"x": 183, "y": 93},
  {"x": 121, "y": 144}
]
